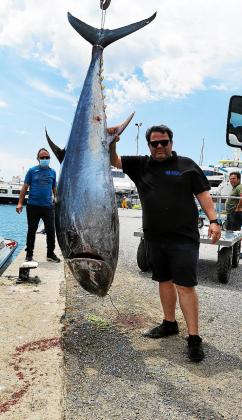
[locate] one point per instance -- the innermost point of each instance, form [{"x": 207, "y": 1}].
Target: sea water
[{"x": 13, "y": 225}]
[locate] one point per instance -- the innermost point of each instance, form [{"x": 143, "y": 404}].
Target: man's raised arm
[{"x": 115, "y": 159}]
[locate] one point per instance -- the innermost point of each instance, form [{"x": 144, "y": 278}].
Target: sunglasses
[
  {"x": 163, "y": 143},
  {"x": 44, "y": 157}
]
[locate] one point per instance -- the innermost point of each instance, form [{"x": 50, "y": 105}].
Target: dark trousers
[
  {"x": 34, "y": 214},
  {"x": 234, "y": 220}
]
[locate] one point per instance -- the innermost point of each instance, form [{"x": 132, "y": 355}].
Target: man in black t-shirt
[{"x": 167, "y": 185}]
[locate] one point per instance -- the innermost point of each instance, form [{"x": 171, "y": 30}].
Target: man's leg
[
  {"x": 168, "y": 297},
  {"x": 49, "y": 222},
  {"x": 33, "y": 218},
  {"x": 189, "y": 305}
]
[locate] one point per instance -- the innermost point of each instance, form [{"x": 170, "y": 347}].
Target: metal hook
[{"x": 104, "y": 4}]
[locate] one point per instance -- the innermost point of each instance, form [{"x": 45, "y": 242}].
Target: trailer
[{"x": 229, "y": 247}]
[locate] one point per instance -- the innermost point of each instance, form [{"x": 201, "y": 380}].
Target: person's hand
[
  {"x": 19, "y": 208},
  {"x": 214, "y": 232},
  {"x": 112, "y": 131}
]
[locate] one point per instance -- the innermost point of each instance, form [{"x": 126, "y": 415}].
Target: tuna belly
[{"x": 93, "y": 274}]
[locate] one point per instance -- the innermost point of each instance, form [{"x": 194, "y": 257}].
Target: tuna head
[{"x": 94, "y": 275}]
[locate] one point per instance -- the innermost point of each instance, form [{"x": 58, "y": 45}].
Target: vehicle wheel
[
  {"x": 142, "y": 257},
  {"x": 200, "y": 223},
  {"x": 236, "y": 254},
  {"x": 224, "y": 264}
]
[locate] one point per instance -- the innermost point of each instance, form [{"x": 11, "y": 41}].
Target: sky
[{"x": 180, "y": 70}]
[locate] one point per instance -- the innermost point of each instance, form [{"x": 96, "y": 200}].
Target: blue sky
[{"x": 180, "y": 70}]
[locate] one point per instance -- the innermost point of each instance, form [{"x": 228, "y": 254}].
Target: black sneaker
[
  {"x": 195, "y": 348},
  {"x": 165, "y": 329},
  {"x": 29, "y": 258},
  {"x": 53, "y": 258}
]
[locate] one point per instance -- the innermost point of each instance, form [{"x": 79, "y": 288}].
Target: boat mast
[{"x": 201, "y": 154}]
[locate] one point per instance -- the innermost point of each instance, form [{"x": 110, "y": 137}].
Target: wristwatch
[{"x": 217, "y": 221}]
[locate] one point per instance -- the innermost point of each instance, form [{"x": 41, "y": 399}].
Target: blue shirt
[{"x": 41, "y": 182}]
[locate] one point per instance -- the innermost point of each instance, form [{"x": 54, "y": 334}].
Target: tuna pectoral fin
[
  {"x": 60, "y": 153},
  {"x": 105, "y": 37},
  {"x": 113, "y": 132}
]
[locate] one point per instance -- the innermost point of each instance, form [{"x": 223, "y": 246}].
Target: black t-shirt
[{"x": 166, "y": 189}]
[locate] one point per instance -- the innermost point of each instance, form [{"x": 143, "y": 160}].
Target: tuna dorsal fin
[
  {"x": 116, "y": 131},
  {"x": 59, "y": 153},
  {"x": 104, "y": 37}
]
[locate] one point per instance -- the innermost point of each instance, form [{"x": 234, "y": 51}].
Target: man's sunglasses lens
[
  {"x": 163, "y": 143},
  {"x": 44, "y": 157}
]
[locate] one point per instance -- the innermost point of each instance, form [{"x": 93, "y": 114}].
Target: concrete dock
[
  {"x": 66, "y": 354},
  {"x": 31, "y": 362}
]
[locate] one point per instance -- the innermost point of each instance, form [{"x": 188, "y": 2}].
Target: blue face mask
[{"x": 44, "y": 162}]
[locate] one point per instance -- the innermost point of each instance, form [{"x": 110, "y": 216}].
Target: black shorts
[{"x": 173, "y": 261}]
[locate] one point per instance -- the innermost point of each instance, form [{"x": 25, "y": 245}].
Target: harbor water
[{"x": 13, "y": 225}]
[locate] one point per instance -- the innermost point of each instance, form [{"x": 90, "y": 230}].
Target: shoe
[
  {"x": 29, "y": 258},
  {"x": 195, "y": 348},
  {"x": 53, "y": 258},
  {"x": 165, "y": 329}
]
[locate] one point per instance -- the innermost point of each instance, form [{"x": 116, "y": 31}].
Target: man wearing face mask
[{"x": 41, "y": 181}]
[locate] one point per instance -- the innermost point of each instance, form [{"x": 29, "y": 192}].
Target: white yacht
[
  {"x": 122, "y": 183},
  {"x": 214, "y": 175},
  {"x": 218, "y": 175},
  {"x": 9, "y": 191},
  {"x": 227, "y": 166}
]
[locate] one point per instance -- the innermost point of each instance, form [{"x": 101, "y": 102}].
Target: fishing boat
[{"x": 7, "y": 247}]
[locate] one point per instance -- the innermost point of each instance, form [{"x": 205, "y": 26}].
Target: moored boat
[
  {"x": 7, "y": 247},
  {"x": 9, "y": 191}
]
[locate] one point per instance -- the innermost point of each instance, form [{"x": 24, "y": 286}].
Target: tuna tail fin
[
  {"x": 113, "y": 132},
  {"x": 104, "y": 37},
  {"x": 59, "y": 153}
]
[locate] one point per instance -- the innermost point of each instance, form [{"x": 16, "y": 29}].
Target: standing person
[
  {"x": 124, "y": 203},
  {"x": 233, "y": 206},
  {"x": 167, "y": 184},
  {"x": 41, "y": 181}
]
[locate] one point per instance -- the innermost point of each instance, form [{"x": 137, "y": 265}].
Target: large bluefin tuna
[{"x": 86, "y": 215}]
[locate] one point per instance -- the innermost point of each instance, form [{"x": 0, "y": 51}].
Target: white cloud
[
  {"x": 19, "y": 165},
  {"x": 3, "y": 104},
  {"x": 23, "y": 132},
  {"x": 126, "y": 93},
  {"x": 54, "y": 117},
  {"x": 189, "y": 43},
  {"x": 49, "y": 91}
]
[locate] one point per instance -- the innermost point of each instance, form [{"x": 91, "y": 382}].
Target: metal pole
[{"x": 138, "y": 125}]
